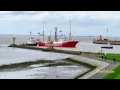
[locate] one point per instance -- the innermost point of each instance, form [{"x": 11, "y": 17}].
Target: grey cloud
[
  {"x": 25, "y": 12},
  {"x": 20, "y": 12}
]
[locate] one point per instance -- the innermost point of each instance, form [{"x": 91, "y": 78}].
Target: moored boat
[
  {"x": 104, "y": 41},
  {"x": 31, "y": 42},
  {"x": 58, "y": 42},
  {"x": 61, "y": 43},
  {"x": 108, "y": 46}
]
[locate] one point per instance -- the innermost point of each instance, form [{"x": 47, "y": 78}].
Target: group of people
[
  {"x": 104, "y": 57},
  {"x": 114, "y": 60}
]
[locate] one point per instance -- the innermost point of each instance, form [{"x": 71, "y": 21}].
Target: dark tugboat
[{"x": 108, "y": 46}]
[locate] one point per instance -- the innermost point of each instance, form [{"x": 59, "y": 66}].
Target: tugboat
[
  {"x": 31, "y": 42},
  {"x": 104, "y": 41},
  {"x": 108, "y": 46}
]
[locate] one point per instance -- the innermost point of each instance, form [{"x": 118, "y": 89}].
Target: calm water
[{"x": 13, "y": 55}]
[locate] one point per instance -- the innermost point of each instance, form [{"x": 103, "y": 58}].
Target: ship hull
[
  {"x": 32, "y": 44},
  {"x": 59, "y": 44},
  {"x": 105, "y": 42},
  {"x": 107, "y": 47}
]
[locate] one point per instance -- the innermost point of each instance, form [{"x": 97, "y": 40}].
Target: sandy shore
[
  {"x": 38, "y": 72},
  {"x": 56, "y": 72}
]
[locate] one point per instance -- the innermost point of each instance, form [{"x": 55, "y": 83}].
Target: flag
[{"x": 60, "y": 31}]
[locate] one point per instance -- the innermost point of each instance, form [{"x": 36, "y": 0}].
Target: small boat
[
  {"x": 31, "y": 42},
  {"x": 108, "y": 46}
]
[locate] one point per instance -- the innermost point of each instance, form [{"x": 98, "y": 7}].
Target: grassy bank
[
  {"x": 110, "y": 56},
  {"x": 115, "y": 75},
  {"x": 24, "y": 64},
  {"x": 81, "y": 63}
]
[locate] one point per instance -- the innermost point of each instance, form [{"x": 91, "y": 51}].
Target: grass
[
  {"x": 82, "y": 63},
  {"x": 115, "y": 75},
  {"x": 24, "y": 64},
  {"x": 110, "y": 56}
]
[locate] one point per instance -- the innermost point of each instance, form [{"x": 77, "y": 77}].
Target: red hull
[{"x": 59, "y": 44}]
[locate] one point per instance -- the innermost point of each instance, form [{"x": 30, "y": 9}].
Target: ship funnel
[
  {"x": 49, "y": 39},
  {"x": 100, "y": 37}
]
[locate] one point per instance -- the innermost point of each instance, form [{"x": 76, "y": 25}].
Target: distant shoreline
[{"x": 53, "y": 35}]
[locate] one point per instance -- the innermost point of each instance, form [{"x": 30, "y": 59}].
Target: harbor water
[
  {"x": 12, "y": 55},
  {"x": 9, "y": 55}
]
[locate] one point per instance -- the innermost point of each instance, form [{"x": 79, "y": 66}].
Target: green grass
[
  {"x": 115, "y": 75},
  {"x": 110, "y": 56},
  {"x": 24, "y": 64}
]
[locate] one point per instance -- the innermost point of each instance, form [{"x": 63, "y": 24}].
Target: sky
[{"x": 83, "y": 23}]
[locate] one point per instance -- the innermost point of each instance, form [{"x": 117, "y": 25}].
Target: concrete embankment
[
  {"x": 99, "y": 65},
  {"x": 51, "y": 49}
]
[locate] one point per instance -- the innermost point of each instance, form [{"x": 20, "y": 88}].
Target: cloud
[
  {"x": 65, "y": 15},
  {"x": 81, "y": 20},
  {"x": 23, "y": 15}
]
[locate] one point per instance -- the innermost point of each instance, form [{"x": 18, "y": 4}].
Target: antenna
[
  {"x": 107, "y": 33},
  {"x": 55, "y": 33},
  {"x": 43, "y": 30},
  {"x": 50, "y": 35},
  {"x": 30, "y": 34},
  {"x": 70, "y": 30}
]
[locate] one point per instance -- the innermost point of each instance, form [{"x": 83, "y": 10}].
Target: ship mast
[
  {"x": 56, "y": 34},
  {"x": 70, "y": 30},
  {"x": 30, "y": 34},
  {"x": 107, "y": 34},
  {"x": 50, "y": 35},
  {"x": 43, "y": 30}
]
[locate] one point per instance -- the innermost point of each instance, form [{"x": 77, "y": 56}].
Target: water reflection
[{"x": 14, "y": 55}]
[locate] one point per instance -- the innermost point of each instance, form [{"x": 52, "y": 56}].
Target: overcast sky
[{"x": 83, "y": 22}]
